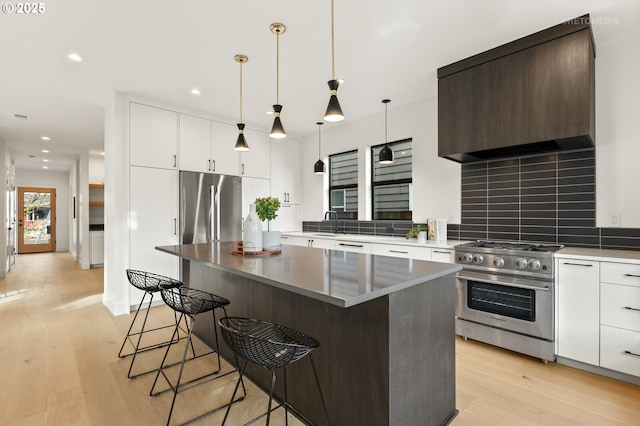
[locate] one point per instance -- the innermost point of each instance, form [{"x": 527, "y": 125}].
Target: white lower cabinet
[
  {"x": 96, "y": 249},
  {"x": 407, "y": 252},
  {"x": 325, "y": 243},
  {"x": 620, "y": 317},
  {"x": 442, "y": 255},
  {"x": 620, "y": 350},
  {"x": 354, "y": 246},
  {"x": 578, "y": 310}
]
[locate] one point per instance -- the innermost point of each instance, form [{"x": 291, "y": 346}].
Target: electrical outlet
[{"x": 614, "y": 219}]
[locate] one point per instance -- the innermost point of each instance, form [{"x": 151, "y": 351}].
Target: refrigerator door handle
[{"x": 215, "y": 211}]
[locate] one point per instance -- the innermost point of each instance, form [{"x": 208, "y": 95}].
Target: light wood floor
[{"x": 59, "y": 365}]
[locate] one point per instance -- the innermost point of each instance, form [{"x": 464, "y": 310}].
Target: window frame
[
  {"x": 343, "y": 215},
  {"x": 407, "y": 215}
]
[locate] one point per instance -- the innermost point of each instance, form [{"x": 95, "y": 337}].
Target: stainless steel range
[{"x": 506, "y": 295}]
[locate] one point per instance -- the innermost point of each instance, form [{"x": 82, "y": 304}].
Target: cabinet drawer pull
[
  {"x": 577, "y": 264},
  {"x": 444, "y": 252},
  {"x": 175, "y": 161},
  {"x": 350, "y": 245},
  {"x": 631, "y": 353},
  {"x": 398, "y": 251},
  {"x": 632, "y": 309},
  {"x": 632, "y": 275}
]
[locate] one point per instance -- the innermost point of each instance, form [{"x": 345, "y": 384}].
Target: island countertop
[{"x": 340, "y": 278}]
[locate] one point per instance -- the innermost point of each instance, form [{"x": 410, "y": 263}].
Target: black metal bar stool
[
  {"x": 271, "y": 346},
  {"x": 189, "y": 303},
  {"x": 149, "y": 283}
]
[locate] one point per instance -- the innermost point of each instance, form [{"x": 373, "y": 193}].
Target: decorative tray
[{"x": 238, "y": 250}]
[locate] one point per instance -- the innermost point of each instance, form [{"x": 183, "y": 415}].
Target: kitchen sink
[{"x": 324, "y": 235}]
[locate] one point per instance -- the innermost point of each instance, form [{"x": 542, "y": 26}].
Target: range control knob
[
  {"x": 521, "y": 263},
  {"x": 534, "y": 264},
  {"x": 498, "y": 262},
  {"x": 477, "y": 259},
  {"x": 467, "y": 258}
]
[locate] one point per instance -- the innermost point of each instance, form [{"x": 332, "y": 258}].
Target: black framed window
[
  {"x": 392, "y": 184},
  {"x": 343, "y": 184}
]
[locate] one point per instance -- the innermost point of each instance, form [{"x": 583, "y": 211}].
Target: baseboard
[
  {"x": 599, "y": 370},
  {"x": 85, "y": 265},
  {"x": 115, "y": 308}
]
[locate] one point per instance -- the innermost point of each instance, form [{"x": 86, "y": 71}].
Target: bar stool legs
[
  {"x": 271, "y": 346},
  {"x": 190, "y": 302},
  {"x": 149, "y": 283}
]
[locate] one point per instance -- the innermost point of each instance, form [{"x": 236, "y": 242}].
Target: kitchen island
[{"x": 385, "y": 327}]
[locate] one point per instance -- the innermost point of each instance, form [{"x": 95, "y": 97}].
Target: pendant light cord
[
  {"x": 386, "y": 139},
  {"x": 333, "y": 65},
  {"x": 319, "y": 141},
  {"x": 241, "y": 91},
  {"x": 278, "y": 67}
]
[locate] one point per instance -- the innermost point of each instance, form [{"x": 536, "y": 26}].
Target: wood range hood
[{"x": 533, "y": 95}]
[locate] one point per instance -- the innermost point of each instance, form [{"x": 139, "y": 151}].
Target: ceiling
[{"x": 161, "y": 49}]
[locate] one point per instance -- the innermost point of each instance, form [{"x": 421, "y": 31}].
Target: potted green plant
[{"x": 267, "y": 209}]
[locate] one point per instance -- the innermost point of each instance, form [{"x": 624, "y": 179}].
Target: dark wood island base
[{"x": 385, "y": 361}]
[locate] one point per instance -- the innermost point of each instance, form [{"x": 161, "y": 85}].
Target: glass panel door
[{"x": 36, "y": 223}]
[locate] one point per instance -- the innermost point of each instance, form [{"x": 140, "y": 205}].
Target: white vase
[
  {"x": 271, "y": 240},
  {"x": 252, "y": 237}
]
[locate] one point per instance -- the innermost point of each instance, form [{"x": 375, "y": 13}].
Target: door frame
[{"x": 36, "y": 248}]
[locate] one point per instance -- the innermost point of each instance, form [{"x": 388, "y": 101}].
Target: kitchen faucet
[{"x": 332, "y": 216}]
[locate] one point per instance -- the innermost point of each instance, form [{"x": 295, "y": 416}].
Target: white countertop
[
  {"x": 341, "y": 278},
  {"x": 401, "y": 241},
  {"x": 602, "y": 255}
]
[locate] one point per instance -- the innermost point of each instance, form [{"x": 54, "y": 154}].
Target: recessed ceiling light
[
  {"x": 45, "y": 160},
  {"x": 102, "y": 153},
  {"x": 45, "y": 167},
  {"x": 45, "y": 138},
  {"x": 195, "y": 91},
  {"x": 46, "y": 151},
  {"x": 74, "y": 57},
  {"x": 270, "y": 112},
  {"x": 341, "y": 80}
]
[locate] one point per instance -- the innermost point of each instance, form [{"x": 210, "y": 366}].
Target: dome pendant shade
[
  {"x": 241, "y": 143},
  {"x": 277, "y": 131},
  {"x": 319, "y": 168},
  {"x": 386, "y": 155},
  {"x": 334, "y": 111}
]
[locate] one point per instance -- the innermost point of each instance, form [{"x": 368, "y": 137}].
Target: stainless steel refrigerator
[{"x": 210, "y": 208}]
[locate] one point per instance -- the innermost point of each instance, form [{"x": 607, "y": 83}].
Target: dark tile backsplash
[{"x": 548, "y": 198}]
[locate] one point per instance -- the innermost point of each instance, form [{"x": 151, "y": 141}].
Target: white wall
[
  {"x": 96, "y": 168},
  {"x": 436, "y": 182},
  {"x": 617, "y": 37},
  {"x": 59, "y": 181}
]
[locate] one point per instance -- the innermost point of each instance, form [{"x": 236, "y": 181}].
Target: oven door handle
[{"x": 482, "y": 278}]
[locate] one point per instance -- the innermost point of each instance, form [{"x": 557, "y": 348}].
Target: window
[
  {"x": 391, "y": 184},
  {"x": 343, "y": 184}
]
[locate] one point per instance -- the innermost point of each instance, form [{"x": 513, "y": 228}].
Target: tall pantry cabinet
[{"x": 153, "y": 190}]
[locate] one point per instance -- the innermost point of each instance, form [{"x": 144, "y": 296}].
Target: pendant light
[
  {"x": 386, "y": 153},
  {"x": 277, "y": 131},
  {"x": 334, "y": 112},
  {"x": 241, "y": 143},
  {"x": 319, "y": 168}
]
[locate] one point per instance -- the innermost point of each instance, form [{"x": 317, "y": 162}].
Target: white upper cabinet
[
  {"x": 225, "y": 160},
  {"x": 285, "y": 170},
  {"x": 255, "y": 162},
  {"x": 153, "y": 137},
  {"x": 195, "y": 144},
  {"x": 207, "y": 146}
]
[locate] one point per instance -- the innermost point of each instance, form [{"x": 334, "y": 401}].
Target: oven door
[{"x": 515, "y": 304}]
